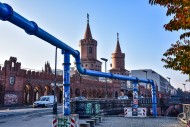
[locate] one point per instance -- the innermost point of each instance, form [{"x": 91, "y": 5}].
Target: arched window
[{"x": 90, "y": 50}]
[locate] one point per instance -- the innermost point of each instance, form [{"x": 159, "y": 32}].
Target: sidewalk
[
  {"x": 25, "y": 110},
  {"x": 46, "y": 121},
  {"x": 15, "y": 107}
]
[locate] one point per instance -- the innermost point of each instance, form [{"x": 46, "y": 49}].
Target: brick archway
[
  {"x": 37, "y": 92},
  {"x": 47, "y": 90},
  {"x": 27, "y": 98}
]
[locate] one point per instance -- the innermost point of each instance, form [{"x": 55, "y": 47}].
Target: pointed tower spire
[
  {"x": 87, "y": 34},
  {"x": 118, "y": 61},
  {"x": 118, "y": 49},
  {"x": 87, "y": 18}
]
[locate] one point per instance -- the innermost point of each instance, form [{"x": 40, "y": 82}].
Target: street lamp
[
  {"x": 105, "y": 60},
  {"x": 168, "y": 79},
  {"x": 184, "y": 87},
  {"x": 55, "y": 100}
]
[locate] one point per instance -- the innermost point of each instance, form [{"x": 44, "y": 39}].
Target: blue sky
[{"x": 140, "y": 26}]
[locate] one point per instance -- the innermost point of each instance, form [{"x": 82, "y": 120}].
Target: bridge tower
[
  {"x": 118, "y": 60},
  {"x": 88, "y": 49}
]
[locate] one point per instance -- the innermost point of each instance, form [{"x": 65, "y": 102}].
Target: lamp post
[
  {"x": 105, "y": 60},
  {"x": 54, "y": 88},
  {"x": 184, "y": 87},
  {"x": 168, "y": 79}
]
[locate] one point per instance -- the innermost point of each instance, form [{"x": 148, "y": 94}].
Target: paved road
[
  {"x": 27, "y": 111},
  {"x": 43, "y": 118},
  {"x": 46, "y": 121}
]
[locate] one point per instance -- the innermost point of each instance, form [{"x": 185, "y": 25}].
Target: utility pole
[
  {"x": 105, "y": 60},
  {"x": 184, "y": 87},
  {"x": 55, "y": 80}
]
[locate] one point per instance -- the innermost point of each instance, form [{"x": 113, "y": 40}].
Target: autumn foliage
[{"x": 177, "y": 57}]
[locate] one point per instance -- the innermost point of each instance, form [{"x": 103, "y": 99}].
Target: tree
[
  {"x": 180, "y": 9},
  {"x": 177, "y": 57}
]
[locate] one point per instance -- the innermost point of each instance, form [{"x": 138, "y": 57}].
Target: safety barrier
[
  {"x": 89, "y": 108},
  {"x": 66, "y": 121}
]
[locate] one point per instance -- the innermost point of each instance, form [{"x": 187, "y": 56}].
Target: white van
[{"x": 44, "y": 101}]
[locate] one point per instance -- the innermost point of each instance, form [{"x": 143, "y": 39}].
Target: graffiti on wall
[{"x": 10, "y": 99}]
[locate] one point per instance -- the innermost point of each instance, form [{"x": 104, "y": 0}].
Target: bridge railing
[{"x": 88, "y": 108}]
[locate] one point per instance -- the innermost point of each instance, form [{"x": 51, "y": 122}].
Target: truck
[{"x": 45, "y": 101}]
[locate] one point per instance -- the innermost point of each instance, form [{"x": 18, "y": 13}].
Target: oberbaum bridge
[{"x": 88, "y": 108}]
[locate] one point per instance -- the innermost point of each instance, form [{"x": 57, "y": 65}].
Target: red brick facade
[{"x": 19, "y": 86}]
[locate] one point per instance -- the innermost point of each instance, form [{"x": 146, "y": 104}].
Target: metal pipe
[
  {"x": 7, "y": 14},
  {"x": 154, "y": 99},
  {"x": 135, "y": 99},
  {"x": 66, "y": 83}
]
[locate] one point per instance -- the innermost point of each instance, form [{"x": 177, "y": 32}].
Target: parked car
[
  {"x": 123, "y": 97},
  {"x": 44, "y": 101}
]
